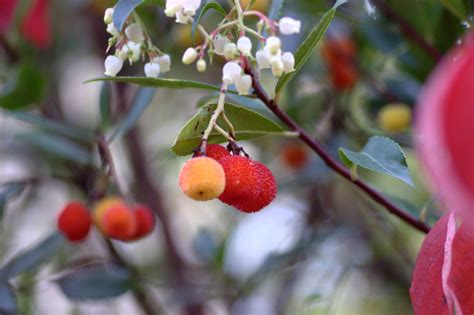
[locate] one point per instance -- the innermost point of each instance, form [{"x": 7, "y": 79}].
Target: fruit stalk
[{"x": 329, "y": 161}]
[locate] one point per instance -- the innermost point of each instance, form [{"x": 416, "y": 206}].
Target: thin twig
[{"x": 330, "y": 162}]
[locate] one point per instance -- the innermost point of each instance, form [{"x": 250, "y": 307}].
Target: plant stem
[{"x": 330, "y": 162}]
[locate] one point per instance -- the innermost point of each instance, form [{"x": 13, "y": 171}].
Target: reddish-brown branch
[{"x": 330, "y": 162}]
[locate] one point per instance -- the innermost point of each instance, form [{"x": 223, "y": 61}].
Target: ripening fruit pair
[
  {"x": 111, "y": 216},
  {"x": 238, "y": 181}
]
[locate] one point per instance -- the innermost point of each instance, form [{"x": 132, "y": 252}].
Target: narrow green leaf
[
  {"x": 205, "y": 6},
  {"x": 33, "y": 257},
  {"x": 275, "y": 9},
  {"x": 8, "y": 191},
  {"x": 456, "y": 7},
  {"x": 165, "y": 83},
  {"x": 96, "y": 282},
  {"x": 122, "y": 11},
  {"x": 308, "y": 46},
  {"x": 59, "y": 147},
  {"x": 248, "y": 124},
  {"x": 8, "y": 301},
  {"x": 141, "y": 102},
  {"x": 382, "y": 155},
  {"x": 24, "y": 88},
  {"x": 104, "y": 105},
  {"x": 53, "y": 125}
]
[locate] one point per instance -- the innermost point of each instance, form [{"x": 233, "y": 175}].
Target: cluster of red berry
[
  {"x": 111, "y": 215},
  {"x": 236, "y": 180}
]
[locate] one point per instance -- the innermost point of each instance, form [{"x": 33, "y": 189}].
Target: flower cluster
[
  {"x": 236, "y": 50},
  {"x": 133, "y": 44}
]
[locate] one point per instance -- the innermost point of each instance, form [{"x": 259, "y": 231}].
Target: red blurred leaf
[
  {"x": 446, "y": 128},
  {"x": 426, "y": 291},
  {"x": 7, "y": 8},
  {"x": 36, "y": 25}
]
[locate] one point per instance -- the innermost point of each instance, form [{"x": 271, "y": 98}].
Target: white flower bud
[
  {"x": 108, "y": 15},
  {"x": 263, "y": 59},
  {"x": 183, "y": 18},
  {"x": 172, "y": 7},
  {"x": 134, "y": 51},
  {"x": 164, "y": 62},
  {"x": 277, "y": 67},
  {"x": 190, "y": 6},
  {"x": 274, "y": 44},
  {"x": 113, "y": 65},
  {"x": 152, "y": 70},
  {"x": 230, "y": 51},
  {"x": 134, "y": 33},
  {"x": 243, "y": 83},
  {"x": 230, "y": 71},
  {"x": 219, "y": 44},
  {"x": 289, "y": 26},
  {"x": 201, "y": 65},
  {"x": 112, "y": 30},
  {"x": 190, "y": 55},
  {"x": 245, "y": 46},
  {"x": 288, "y": 62}
]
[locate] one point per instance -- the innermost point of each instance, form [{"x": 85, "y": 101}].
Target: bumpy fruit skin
[
  {"x": 74, "y": 221},
  {"x": 118, "y": 222},
  {"x": 145, "y": 221},
  {"x": 202, "y": 178},
  {"x": 294, "y": 155},
  {"x": 216, "y": 151},
  {"x": 264, "y": 191},
  {"x": 339, "y": 55},
  {"x": 241, "y": 179},
  {"x": 394, "y": 118}
]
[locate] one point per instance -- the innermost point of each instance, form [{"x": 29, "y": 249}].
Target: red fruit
[
  {"x": 145, "y": 221},
  {"x": 7, "y": 8},
  {"x": 265, "y": 190},
  {"x": 74, "y": 221},
  {"x": 119, "y": 222},
  {"x": 294, "y": 155},
  {"x": 339, "y": 55},
  {"x": 216, "y": 152},
  {"x": 36, "y": 25},
  {"x": 241, "y": 179}
]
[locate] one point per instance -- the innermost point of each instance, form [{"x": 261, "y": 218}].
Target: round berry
[
  {"x": 145, "y": 221},
  {"x": 294, "y": 155},
  {"x": 74, "y": 221},
  {"x": 395, "y": 117},
  {"x": 202, "y": 178},
  {"x": 216, "y": 151},
  {"x": 241, "y": 179},
  {"x": 118, "y": 222}
]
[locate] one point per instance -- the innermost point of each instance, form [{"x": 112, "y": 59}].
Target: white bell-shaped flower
[
  {"x": 152, "y": 70},
  {"x": 183, "y": 18},
  {"x": 230, "y": 51},
  {"x": 134, "y": 51},
  {"x": 288, "y": 62},
  {"x": 243, "y": 83},
  {"x": 190, "y": 6},
  {"x": 189, "y": 56},
  {"x": 289, "y": 26},
  {"x": 164, "y": 62},
  {"x": 134, "y": 32},
  {"x": 201, "y": 65},
  {"x": 277, "y": 67},
  {"x": 244, "y": 44},
  {"x": 230, "y": 71},
  {"x": 112, "y": 30},
  {"x": 263, "y": 59},
  {"x": 173, "y": 7},
  {"x": 108, "y": 15},
  {"x": 113, "y": 65},
  {"x": 219, "y": 44},
  {"x": 274, "y": 44}
]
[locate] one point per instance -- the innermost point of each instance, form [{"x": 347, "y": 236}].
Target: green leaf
[
  {"x": 53, "y": 125},
  {"x": 24, "y": 88},
  {"x": 275, "y": 9},
  {"x": 59, "y": 147},
  {"x": 166, "y": 83},
  {"x": 33, "y": 257},
  {"x": 8, "y": 302},
  {"x": 456, "y": 7},
  {"x": 104, "y": 105},
  {"x": 248, "y": 124},
  {"x": 9, "y": 190},
  {"x": 96, "y": 282},
  {"x": 381, "y": 155},
  {"x": 308, "y": 46},
  {"x": 124, "y": 8},
  {"x": 205, "y": 6},
  {"x": 142, "y": 99}
]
